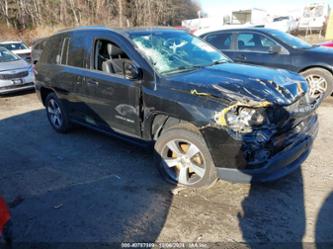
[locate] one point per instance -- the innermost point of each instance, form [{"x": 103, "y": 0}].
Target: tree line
[{"x": 22, "y": 14}]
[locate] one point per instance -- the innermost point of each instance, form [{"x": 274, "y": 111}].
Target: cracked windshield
[{"x": 172, "y": 52}]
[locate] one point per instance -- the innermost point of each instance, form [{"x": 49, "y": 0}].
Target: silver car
[
  {"x": 15, "y": 73},
  {"x": 19, "y": 48}
]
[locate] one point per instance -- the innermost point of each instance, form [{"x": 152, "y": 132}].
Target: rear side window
[
  {"x": 75, "y": 56},
  {"x": 51, "y": 53},
  {"x": 220, "y": 41}
]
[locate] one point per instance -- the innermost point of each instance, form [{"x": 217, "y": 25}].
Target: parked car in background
[
  {"x": 283, "y": 23},
  {"x": 277, "y": 49},
  {"x": 207, "y": 116},
  {"x": 19, "y": 48},
  {"x": 36, "y": 49},
  {"x": 328, "y": 44},
  {"x": 15, "y": 73}
]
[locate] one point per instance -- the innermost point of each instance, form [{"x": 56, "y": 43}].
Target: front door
[
  {"x": 112, "y": 99},
  {"x": 254, "y": 48}
]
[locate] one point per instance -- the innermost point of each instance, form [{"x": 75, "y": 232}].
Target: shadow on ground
[
  {"x": 79, "y": 187},
  {"x": 263, "y": 221},
  {"x": 324, "y": 226}
]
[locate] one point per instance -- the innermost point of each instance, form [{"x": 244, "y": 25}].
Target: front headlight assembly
[{"x": 241, "y": 119}]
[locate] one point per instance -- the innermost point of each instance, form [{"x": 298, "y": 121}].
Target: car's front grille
[{"x": 14, "y": 75}]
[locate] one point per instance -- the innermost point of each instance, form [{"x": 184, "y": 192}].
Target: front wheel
[{"x": 184, "y": 158}]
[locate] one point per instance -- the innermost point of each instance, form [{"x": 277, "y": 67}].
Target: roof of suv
[{"x": 121, "y": 30}]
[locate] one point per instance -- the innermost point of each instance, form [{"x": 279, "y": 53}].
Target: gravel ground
[{"x": 87, "y": 187}]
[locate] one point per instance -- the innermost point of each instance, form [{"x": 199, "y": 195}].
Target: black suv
[{"x": 206, "y": 116}]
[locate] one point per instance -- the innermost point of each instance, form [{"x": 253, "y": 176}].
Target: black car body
[
  {"x": 211, "y": 102},
  {"x": 37, "y": 49},
  {"x": 273, "y": 48}
]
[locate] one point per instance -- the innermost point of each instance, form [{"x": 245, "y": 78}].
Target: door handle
[
  {"x": 241, "y": 57},
  {"x": 92, "y": 82}
]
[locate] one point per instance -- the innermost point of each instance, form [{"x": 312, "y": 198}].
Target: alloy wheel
[
  {"x": 54, "y": 113},
  {"x": 317, "y": 85},
  {"x": 183, "y": 162}
]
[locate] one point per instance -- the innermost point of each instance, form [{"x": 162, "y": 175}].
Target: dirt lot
[{"x": 87, "y": 187}]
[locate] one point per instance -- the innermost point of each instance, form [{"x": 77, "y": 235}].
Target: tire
[
  {"x": 319, "y": 75},
  {"x": 177, "y": 165},
  {"x": 57, "y": 114}
]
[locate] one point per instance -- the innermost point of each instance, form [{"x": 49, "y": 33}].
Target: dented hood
[{"x": 233, "y": 81}]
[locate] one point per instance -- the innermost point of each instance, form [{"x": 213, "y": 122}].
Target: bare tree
[{"x": 23, "y": 14}]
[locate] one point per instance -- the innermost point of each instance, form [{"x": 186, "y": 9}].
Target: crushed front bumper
[{"x": 294, "y": 150}]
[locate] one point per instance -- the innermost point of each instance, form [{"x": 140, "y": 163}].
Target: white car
[
  {"x": 283, "y": 23},
  {"x": 15, "y": 73},
  {"x": 19, "y": 48},
  {"x": 224, "y": 27}
]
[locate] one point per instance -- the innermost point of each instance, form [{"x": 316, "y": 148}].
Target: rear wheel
[
  {"x": 56, "y": 113},
  {"x": 320, "y": 82},
  {"x": 184, "y": 158}
]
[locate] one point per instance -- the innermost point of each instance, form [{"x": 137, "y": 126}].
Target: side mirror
[
  {"x": 274, "y": 49},
  {"x": 131, "y": 71}
]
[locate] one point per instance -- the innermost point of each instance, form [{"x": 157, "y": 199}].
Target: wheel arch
[
  {"x": 160, "y": 122},
  {"x": 44, "y": 92},
  {"x": 317, "y": 66}
]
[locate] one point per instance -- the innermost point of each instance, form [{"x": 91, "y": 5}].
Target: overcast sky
[{"x": 218, "y": 7}]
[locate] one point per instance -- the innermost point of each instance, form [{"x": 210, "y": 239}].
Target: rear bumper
[{"x": 281, "y": 164}]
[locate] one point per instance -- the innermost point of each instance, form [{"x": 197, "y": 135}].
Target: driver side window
[
  {"x": 110, "y": 58},
  {"x": 254, "y": 42}
]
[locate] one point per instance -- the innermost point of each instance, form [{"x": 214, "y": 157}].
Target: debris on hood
[{"x": 195, "y": 92}]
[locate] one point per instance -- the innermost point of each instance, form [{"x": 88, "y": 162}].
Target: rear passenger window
[
  {"x": 220, "y": 41},
  {"x": 110, "y": 58},
  {"x": 76, "y": 54}
]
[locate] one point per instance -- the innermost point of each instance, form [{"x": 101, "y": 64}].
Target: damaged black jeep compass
[{"x": 208, "y": 117}]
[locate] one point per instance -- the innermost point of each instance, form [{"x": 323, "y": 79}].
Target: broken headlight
[{"x": 243, "y": 119}]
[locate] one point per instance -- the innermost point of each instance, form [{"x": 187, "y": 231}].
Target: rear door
[
  {"x": 255, "y": 48},
  {"x": 73, "y": 63},
  {"x": 53, "y": 71}
]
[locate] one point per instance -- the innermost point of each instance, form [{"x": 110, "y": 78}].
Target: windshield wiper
[
  {"x": 181, "y": 69},
  {"x": 194, "y": 67}
]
